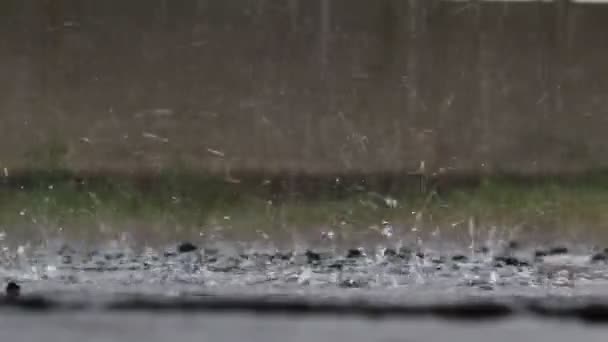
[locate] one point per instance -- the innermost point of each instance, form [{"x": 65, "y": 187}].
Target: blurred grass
[{"x": 177, "y": 204}]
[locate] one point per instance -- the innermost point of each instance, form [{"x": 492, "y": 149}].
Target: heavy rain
[{"x": 291, "y": 170}]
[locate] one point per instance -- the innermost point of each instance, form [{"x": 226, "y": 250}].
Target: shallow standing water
[{"x": 248, "y": 292}]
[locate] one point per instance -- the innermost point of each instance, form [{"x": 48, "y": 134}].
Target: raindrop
[
  {"x": 494, "y": 277},
  {"x": 304, "y": 277},
  {"x": 391, "y": 202},
  {"x": 329, "y": 235},
  {"x": 263, "y": 234},
  {"x": 186, "y": 247},
  {"x": 387, "y": 229}
]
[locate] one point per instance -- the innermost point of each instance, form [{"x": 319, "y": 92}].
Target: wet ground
[
  {"x": 400, "y": 271},
  {"x": 376, "y": 293},
  {"x": 97, "y": 327}
]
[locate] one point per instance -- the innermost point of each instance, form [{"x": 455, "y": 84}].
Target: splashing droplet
[
  {"x": 329, "y": 235},
  {"x": 387, "y": 229}
]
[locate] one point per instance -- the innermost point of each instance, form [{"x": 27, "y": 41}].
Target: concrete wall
[{"x": 314, "y": 86}]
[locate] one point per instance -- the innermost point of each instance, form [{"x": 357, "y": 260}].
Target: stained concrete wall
[{"x": 314, "y": 86}]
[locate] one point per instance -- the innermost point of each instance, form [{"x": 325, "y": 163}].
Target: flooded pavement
[
  {"x": 403, "y": 272},
  {"x": 255, "y": 292}
]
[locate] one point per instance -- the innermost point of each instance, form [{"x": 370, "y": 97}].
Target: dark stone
[
  {"x": 12, "y": 290},
  {"x": 186, "y": 247},
  {"x": 389, "y": 252},
  {"x": 485, "y": 250},
  {"x": 338, "y": 265},
  {"x": 420, "y": 255},
  {"x": 599, "y": 257},
  {"x": 540, "y": 253},
  {"x": 460, "y": 258},
  {"x": 558, "y": 250},
  {"x": 354, "y": 253},
  {"x": 312, "y": 257},
  {"x": 168, "y": 254},
  {"x": 510, "y": 261},
  {"x": 281, "y": 256},
  {"x": 66, "y": 259}
]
